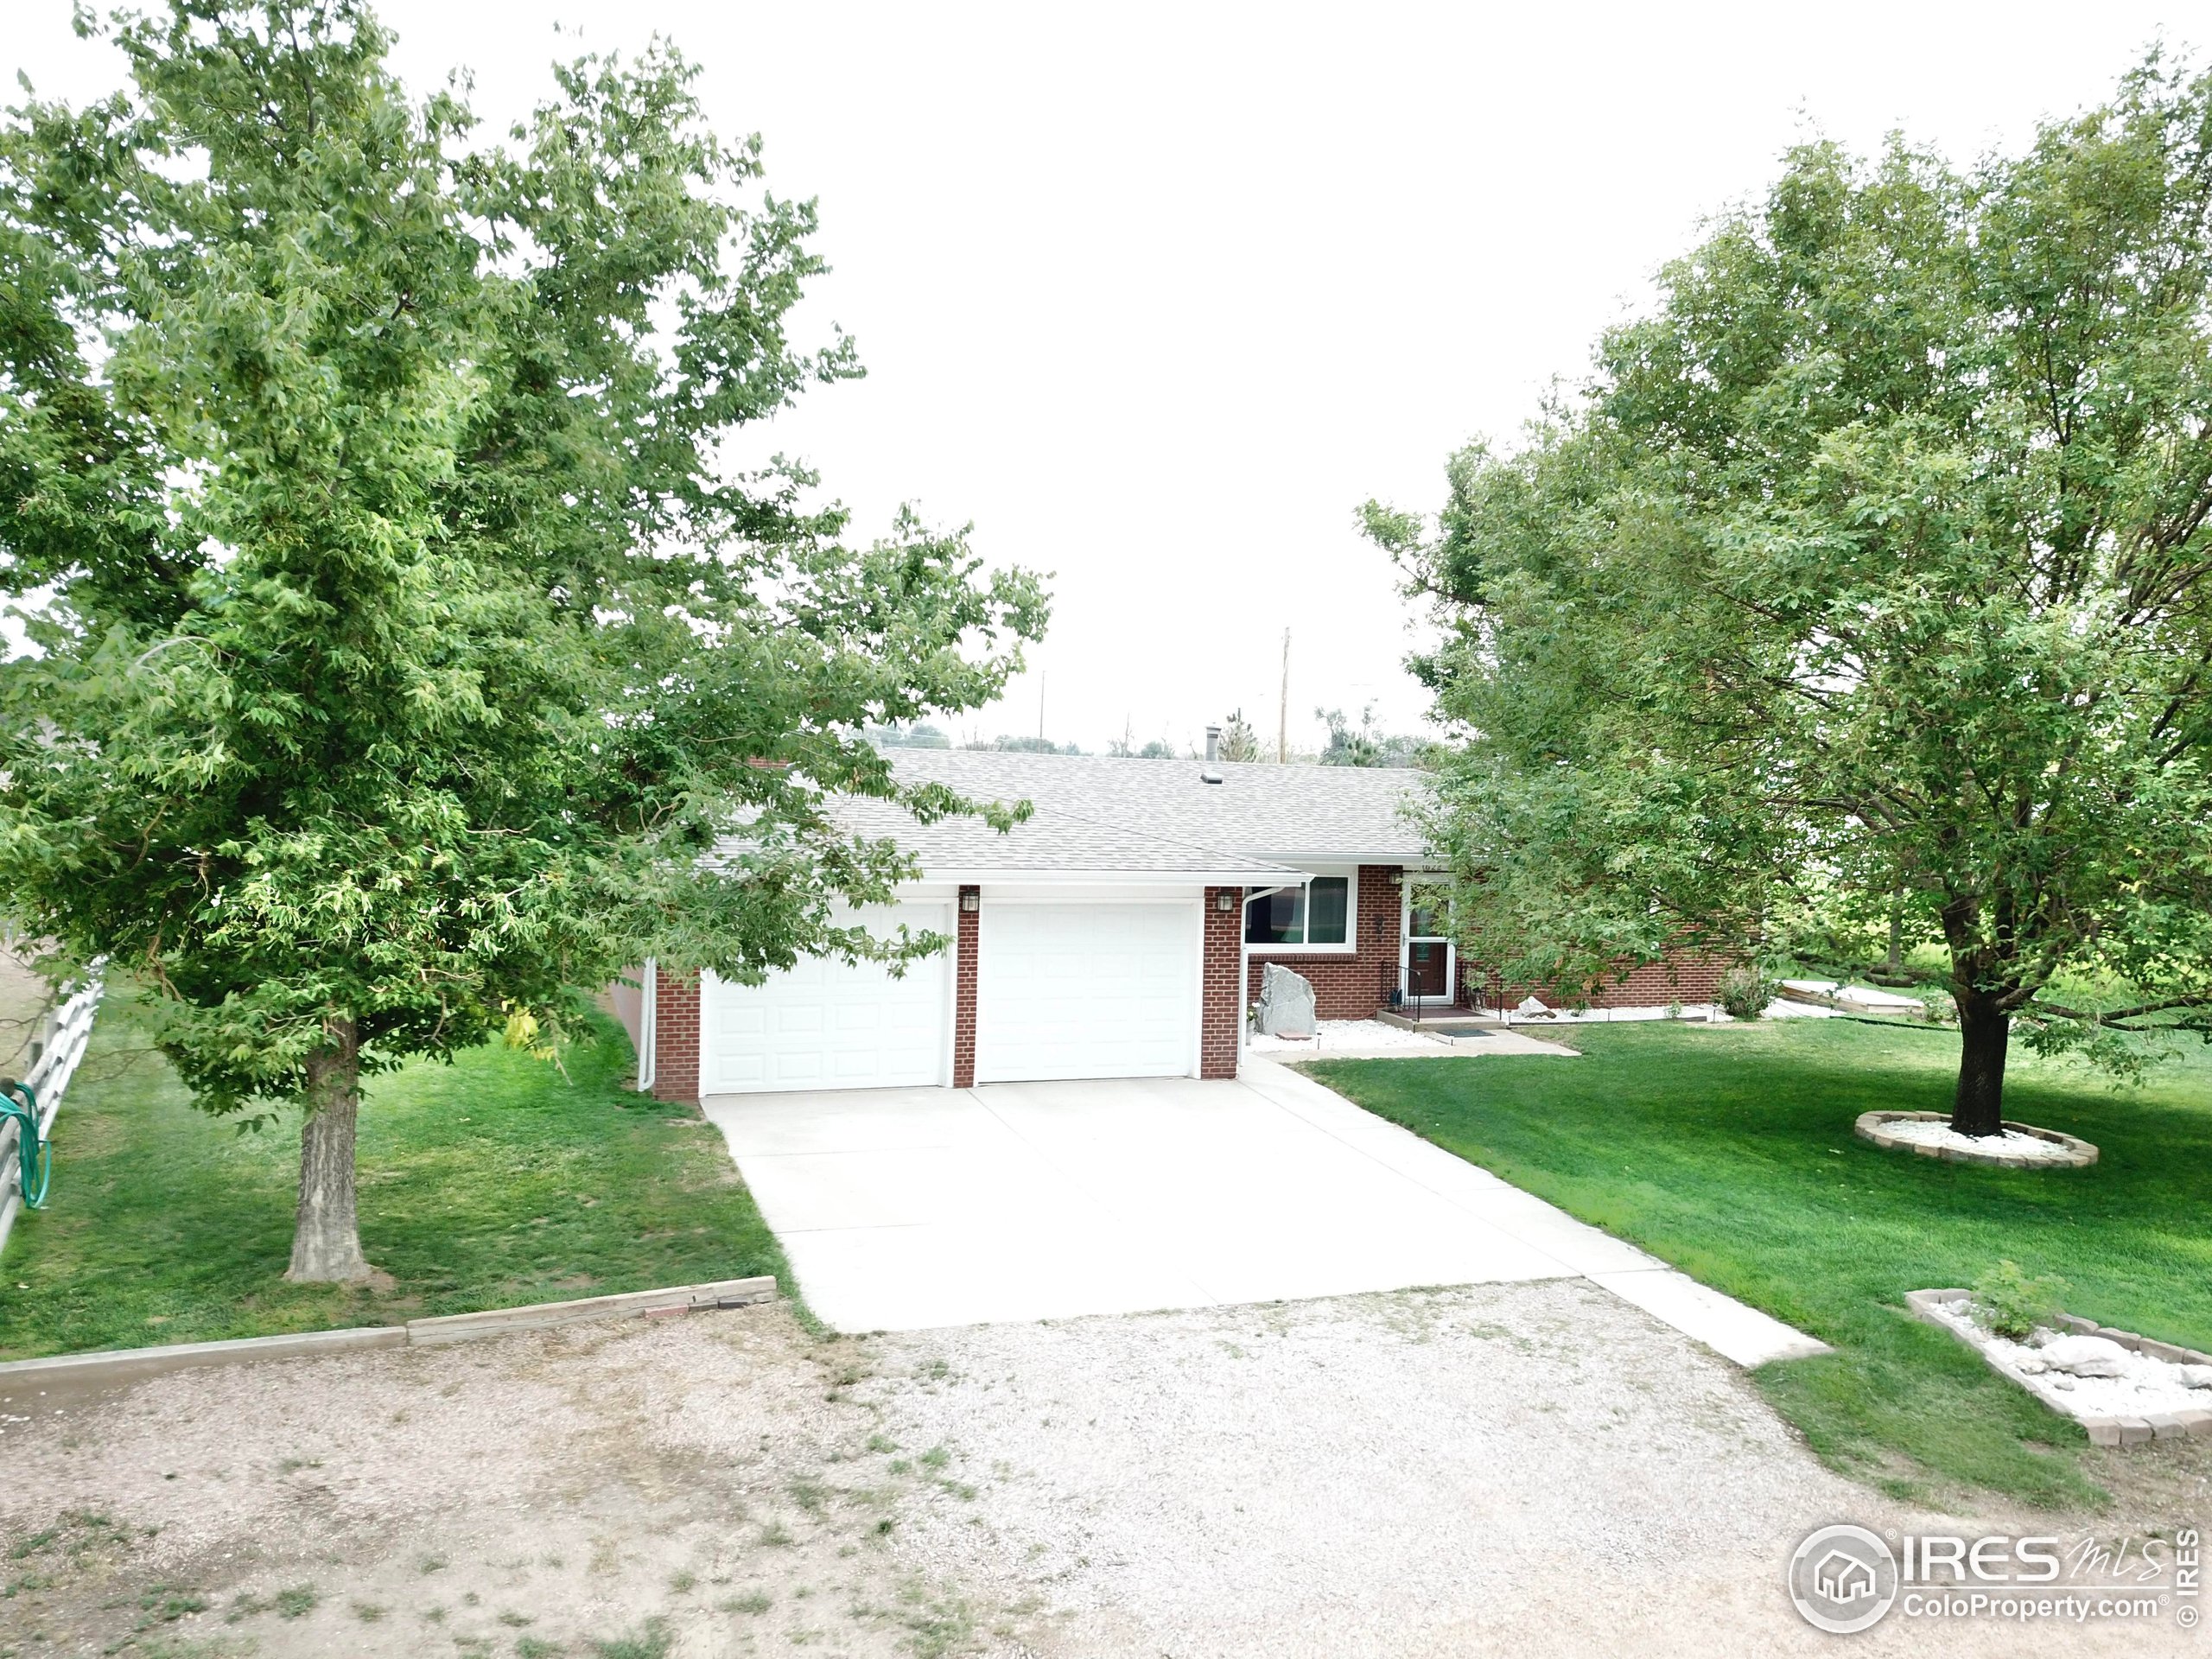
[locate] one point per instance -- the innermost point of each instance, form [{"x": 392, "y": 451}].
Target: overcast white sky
[{"x": 1156, "y": 295}]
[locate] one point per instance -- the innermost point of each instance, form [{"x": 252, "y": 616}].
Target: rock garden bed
[
  {"x": 2021, "y": 1146},
  {"x": 1854, "y": 999},
  {"x": 1333, "y": 1037},
  {"x": 2122, "y": 1388}
]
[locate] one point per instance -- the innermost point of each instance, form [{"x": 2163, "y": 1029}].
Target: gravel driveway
[{"x": 1527, "y": 1469}]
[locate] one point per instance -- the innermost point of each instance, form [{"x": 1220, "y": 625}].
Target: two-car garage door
[{"x": 1063, "y": 990}]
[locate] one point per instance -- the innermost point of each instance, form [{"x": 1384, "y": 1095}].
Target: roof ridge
[{"x": 1148, "y": 814}]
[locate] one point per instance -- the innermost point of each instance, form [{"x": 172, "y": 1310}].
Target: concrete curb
[
  {"x": 129, "y": 1364},
  {"x": 495, "y": 1321},
  {"x": 2103, "y": 1431},
  {"x": 134, "y": 1364}
]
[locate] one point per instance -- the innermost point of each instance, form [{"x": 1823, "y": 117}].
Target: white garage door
[
  {"x": 1086, "y": 991},
  {"x": 830, "y": 1025}
]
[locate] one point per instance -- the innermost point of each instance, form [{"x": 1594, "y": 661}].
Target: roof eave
[
  {"x": 1412, "y": 860},
  {"x": 1062, "y": 876}
]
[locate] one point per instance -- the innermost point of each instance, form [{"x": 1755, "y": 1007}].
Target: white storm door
[
  {"x": 826, "y": 1024},
  {"x": 1101, "y": 990}
]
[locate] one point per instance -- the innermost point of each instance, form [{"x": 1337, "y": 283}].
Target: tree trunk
[
  {"x": 1985, "y": 1030},
  {"x": 326, "y": 1236}
]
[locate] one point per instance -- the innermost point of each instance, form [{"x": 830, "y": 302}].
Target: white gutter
[
  {"x": 1060, "y": 876},
  {"x": 1399, "y": 859}
]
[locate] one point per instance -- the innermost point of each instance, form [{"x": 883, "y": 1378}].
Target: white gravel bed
[
  {"x": 1345, "y": 1033},
  {"x": 1935, "y": 1132},
  {"x": 1856, "y": 999},
  {"x": 2145, "y": 1383},
  {"x": 1689, "y": 1011}
]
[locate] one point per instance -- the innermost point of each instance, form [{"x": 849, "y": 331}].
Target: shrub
[
  {"x": 2013, "y": 1305},
  {"x": 1745, "y": 991}
]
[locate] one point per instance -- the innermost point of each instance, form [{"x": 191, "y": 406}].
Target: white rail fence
[{"x": 53, "y": 1054}]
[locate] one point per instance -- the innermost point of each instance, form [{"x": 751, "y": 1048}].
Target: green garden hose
[{"x": 33, "y": 1156}]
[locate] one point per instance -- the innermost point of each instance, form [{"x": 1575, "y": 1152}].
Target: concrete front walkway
[{"x": 908, "y": 1209}]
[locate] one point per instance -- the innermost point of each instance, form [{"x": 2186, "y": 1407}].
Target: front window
[{"x": 1292, "y": 918}]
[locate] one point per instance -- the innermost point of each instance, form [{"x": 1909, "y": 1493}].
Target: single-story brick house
[{"x": 1119, "y": 932}]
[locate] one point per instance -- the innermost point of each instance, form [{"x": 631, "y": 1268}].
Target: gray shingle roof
[{"x": 1097, "y": 814}]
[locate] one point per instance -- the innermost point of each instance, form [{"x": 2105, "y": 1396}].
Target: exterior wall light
[
  {"x": 1223, "y": 901},
  {"x": 971, "y": 902}
]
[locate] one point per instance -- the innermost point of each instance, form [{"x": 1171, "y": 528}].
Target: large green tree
[
  {"x": 407, "y": 654},
  {"x": 1874, "y": 560}
]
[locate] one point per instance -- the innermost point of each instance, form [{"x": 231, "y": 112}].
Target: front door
[
  {"x": 1429, "y": 954},
  {"x": 1428, "y": 968}
]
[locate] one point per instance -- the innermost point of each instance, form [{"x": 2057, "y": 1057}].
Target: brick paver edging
[
  {"x": 130, "y": 1364},
  {"x": 2078, "y": 1154},
  {"x": 2103, "y": 1431}
]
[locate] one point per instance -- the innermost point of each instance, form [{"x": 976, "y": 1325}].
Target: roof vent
[{"x": 1213, "y": 756}]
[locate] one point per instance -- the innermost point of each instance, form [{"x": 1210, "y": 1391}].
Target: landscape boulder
[
  {"x": 2085, "y": 1355},
  {"x": 1286, "y": 1003}
]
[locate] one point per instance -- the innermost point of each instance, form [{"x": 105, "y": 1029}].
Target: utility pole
[
  {"x": 1040, "y": 708},
  {"x": 1283, "y": 715}
]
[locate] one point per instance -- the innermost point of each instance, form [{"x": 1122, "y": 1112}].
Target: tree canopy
[
  {"x": 1875, "y": 559},
  {"x": 1238, "y": 741},
  {"x": 1365, "y": 744},
  {"x": 406, "y": 646}
]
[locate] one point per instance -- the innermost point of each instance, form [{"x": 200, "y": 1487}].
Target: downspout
[{"x": 648, "y": 1025}]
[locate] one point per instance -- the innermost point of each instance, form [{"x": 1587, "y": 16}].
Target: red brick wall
[
  {"x": 676, "y": 1036},
  {"x": 1351, "y": 986},
  {"x": 964, "y": 995},
  {"x": 1675, "y": 978},
  {"x": 1345, "y": 988},
  {"x": 1683, "y": 978},
  {"x": 1221, "y": 1018}
]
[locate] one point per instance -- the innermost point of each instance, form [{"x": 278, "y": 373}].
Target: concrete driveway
[{"x": 910, "y": 1209}]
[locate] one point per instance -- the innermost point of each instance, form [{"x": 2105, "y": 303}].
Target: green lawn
[
  {"x": 1728, "y": 1151},
  {"x": 487, "y": 1182}
]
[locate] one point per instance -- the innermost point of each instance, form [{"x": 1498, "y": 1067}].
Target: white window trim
[{"x": 1349, "y": 947}]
